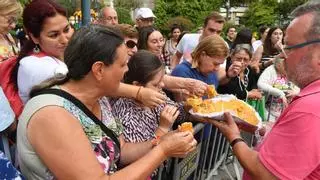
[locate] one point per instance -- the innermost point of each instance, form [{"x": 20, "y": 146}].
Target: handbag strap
[{"x": 83, "y": 108}]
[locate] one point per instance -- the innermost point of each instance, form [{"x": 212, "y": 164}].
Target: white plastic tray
[{"x": 220, "y": 115}]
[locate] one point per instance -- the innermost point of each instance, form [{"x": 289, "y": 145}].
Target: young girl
[{"x": 141, "y": 123}]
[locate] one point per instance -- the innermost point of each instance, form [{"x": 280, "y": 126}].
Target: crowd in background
[{"x": 105, "y": 101}]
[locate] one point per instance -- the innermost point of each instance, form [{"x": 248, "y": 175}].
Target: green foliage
[
  {"x": 260, "y": 13},
  {"x": 183, "y": 22},
  {"x": 194, "y": 10},
  {"x": 24, "y": 2},
  {"x": 128, "y": 4},
  {"x": 161, "y": 11},
  {"x": 269, "y": 12},
  {"x": 286, "y": 7},
  {"x": 70, "y": 6},
  {"x": 124, "y": 16}
]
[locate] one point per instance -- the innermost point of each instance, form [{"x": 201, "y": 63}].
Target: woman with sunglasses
[
  {"x": 9, "y": 12},
  {"x": 243, "y": 86},
  {"x": 64, "y": 135},
  {"x": 130, "y": 35}
]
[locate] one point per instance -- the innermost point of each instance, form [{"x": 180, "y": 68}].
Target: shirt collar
[{"x": 312, "y": 88}]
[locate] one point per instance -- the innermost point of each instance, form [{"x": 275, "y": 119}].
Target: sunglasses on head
[{"x": 131, "y": 44}]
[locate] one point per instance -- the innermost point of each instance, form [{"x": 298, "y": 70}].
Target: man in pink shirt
[{"x": 291, "y": 150}]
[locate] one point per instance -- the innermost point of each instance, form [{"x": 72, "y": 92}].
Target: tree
[
  {"x": 129, "y": 5},
  {"x": 69, "y": 5},
  {"x": 124, "y": 15},
  {"x": 259, "y": 13},
  {"x": 194, "y": 10},
  {"x": 286, "y": 7},
  {"x": 269, "y": 12}
]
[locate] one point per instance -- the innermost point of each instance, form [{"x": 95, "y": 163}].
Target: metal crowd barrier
[{"x": 212, "y": 152}]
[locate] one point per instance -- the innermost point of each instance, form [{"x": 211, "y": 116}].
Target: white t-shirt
[
  {"x": 33, "y": 70},
  {"x": 187, "y": 44},
  {"x": 256, "y": 44}
]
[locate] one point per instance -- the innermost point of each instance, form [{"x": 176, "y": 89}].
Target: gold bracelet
[{"x": 137, "y": 95}]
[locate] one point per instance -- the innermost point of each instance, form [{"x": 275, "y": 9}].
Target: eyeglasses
[
  {"x": 297, "y": 46},
  {"x": 240, "y": 59},
  {"x": 131, "y": 44},
  {"x": 147, "y": 19}
]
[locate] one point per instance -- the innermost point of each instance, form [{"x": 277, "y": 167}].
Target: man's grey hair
[
  {"x": 312, "y": 6},
  {"x": 101, "y": 12}
]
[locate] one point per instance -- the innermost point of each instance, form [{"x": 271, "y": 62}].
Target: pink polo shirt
[{"x": 292, "y": 148}]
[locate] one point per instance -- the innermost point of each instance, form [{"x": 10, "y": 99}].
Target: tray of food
[{"x": 216, "y": 105}]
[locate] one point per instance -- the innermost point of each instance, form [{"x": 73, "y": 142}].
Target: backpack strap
[{"x": 84, "y": 109}]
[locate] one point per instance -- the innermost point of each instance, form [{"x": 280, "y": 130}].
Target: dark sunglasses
[{"x": 131, "y": 44}]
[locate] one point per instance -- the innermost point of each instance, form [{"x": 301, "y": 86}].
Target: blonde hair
[
  {"x": 213, "y": 46},
  {"x": 10, "y": 7}
]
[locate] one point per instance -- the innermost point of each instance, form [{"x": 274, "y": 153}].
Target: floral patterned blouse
[{"x": 106, "y": 150}]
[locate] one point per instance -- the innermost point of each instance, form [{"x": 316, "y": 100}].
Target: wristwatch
[{"x": 235, "y": 141}]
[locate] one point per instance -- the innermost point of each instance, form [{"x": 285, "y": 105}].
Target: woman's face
[
  {"x": 7, "y": 23},
  {"x": 54, "y": 36},
  {"x": 209, "y": 64},
  {"x": 157, "y": 81},
  {"x": 243, "y": 57},
  {"x": 114, "y": 73},
  {"x": 276, "y": 36},
  {"x": 176, "y": 33},
  {"x": 131, "y": 44},
  {"x": 155, "y": 43}
]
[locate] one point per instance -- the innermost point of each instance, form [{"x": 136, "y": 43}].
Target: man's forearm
[{"x": 249, "y": 160}]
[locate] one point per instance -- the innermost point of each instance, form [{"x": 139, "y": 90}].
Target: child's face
[{"x": 157, "y": 82}]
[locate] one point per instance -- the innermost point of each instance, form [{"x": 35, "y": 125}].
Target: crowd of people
[{"x": 104, "y": 101}]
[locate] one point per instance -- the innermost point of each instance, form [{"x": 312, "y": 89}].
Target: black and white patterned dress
[{"x": 139, "y": 122}]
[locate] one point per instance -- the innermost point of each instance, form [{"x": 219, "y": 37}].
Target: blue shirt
[{"x": 185, "y": 70}]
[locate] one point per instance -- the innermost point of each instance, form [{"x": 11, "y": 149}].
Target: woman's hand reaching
[
  {"x": 167, "y": 117},
  {"x": 150, "y": 97},
  {"x": 195, "y": 87},
  {"x": 177, "y": 144}
]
